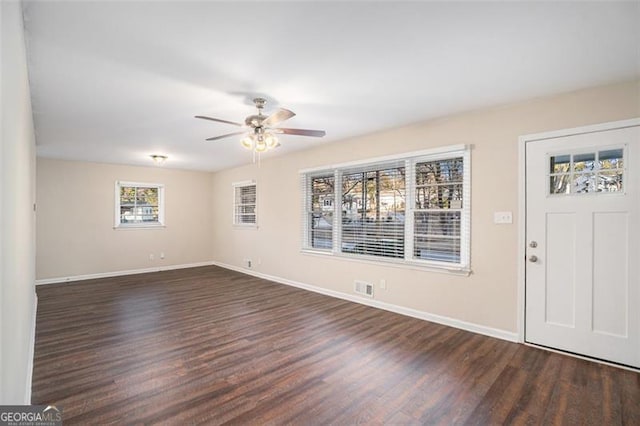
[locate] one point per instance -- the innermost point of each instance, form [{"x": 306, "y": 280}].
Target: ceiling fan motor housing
[
  {"x": 254, "y": 120},
  {"x": 263, "y": 126},
  {"x": 259, "y": 102}
]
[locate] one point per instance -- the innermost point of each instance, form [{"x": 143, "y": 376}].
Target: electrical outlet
[
  {"x": 161, "y": 255},
  {"x": 151, "y": 256},
  {"x": 383, "y": 284}
]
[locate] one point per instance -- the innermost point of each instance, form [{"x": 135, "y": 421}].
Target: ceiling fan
[{"x": 260, "y": 133}]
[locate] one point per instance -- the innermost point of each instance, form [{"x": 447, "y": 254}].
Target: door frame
[{"x": 522, "y": 205}]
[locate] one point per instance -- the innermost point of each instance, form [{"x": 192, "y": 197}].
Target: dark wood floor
[{"x": 211, "y": 346}]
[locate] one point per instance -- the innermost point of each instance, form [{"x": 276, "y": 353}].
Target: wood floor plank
[{"x": 211, "y": 346}]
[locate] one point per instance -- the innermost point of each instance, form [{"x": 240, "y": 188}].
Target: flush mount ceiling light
[
  {"x": 158, "y": 159},
  {"x": 261, "y": 135}
]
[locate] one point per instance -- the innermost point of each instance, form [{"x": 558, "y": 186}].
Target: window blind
[
  {"x": 320, "y": 211},
  {"x": 245, "y": 204},
  {"x": 413, "y": 209},
  {"x": 438, "y": 210},
  {"x": 373, "y": 212}
]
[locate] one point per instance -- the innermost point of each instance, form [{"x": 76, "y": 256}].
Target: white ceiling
[{"x": 116, "y": 81}]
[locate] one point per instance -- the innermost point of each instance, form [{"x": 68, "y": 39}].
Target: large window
[
  {"x": 412, "y": 209},
  {"x": 373, "y": 211},
  {"x": 245, "y": 204},
  {"x": 139, "y": 205}
]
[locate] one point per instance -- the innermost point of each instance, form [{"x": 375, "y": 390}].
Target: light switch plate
[{"x": 502, "y": 217}]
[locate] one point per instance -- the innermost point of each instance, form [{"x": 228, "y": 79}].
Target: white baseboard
[
  {"x": 32, "y": 348},
  {"x": 119, "y": 273},
  {"x": 451, "y": 322}
]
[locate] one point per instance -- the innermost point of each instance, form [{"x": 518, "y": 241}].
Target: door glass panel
[
  {"x": 559, "y": 163},
  {"x": 584, "y": 182},
  {"x": 585, "y": 173},
  {"x": 560, "y": 168},
  {"x": 584, "y": 162},
  {"x": 611, "y": 159},
  {"x": 560, "y": 184},
  {"x": 610, "y": 181}
]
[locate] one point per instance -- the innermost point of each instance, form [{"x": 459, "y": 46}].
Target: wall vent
[{"x": 363, "y": 288}]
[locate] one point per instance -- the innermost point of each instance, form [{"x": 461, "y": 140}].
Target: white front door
[{"x": 583, "y": 244}]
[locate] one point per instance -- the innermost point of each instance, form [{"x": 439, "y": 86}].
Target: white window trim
[
  {"x": 148, "y": 225},
  {"x": 410, "y": 159},
  {"x": 233, "y": 205}
]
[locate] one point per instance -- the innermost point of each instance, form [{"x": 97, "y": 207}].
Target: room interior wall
[
  {"x": 17, "y": 229},
  {"x": 75, "y": 220},
  {"x": 488, "y": 297}
]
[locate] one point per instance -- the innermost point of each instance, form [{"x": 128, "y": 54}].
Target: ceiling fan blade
[
  {"x": 219, "y": 120},
  {"x": 301, "y": 132},
  {"x": 224, "y": 136},
  {"x": 278, "y": 116}
]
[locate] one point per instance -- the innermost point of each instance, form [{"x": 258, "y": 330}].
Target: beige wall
[
  {"x": 76, "y": 208},
  {"x": 489, "y": 296},
  {"x": 75, "y": 218},
  {"x": 17, "y": 224}
]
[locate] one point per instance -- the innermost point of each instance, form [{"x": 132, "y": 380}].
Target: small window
[
  {"x": 245, "y": 204},
  {"x": 139, "y": 205},
  {"x": 587, "y": 172}
]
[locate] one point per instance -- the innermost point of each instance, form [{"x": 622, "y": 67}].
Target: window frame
[
  {"x": 118, "y": 224},
  {"x": 596, "y": 171},
  {"x": 234, "y": 217},
  {"x": 410, "y": 159},
  {"x": 309, "y": 211}
]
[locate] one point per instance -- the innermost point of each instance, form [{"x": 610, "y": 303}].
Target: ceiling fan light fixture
[
  {"x": 261, "y": 145},
  {"x": 261, "y": 129},
  {"x": 271, "y": 140},
  {"x": 158, "y": 159},
  {"x": 247, "y": 142}
]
